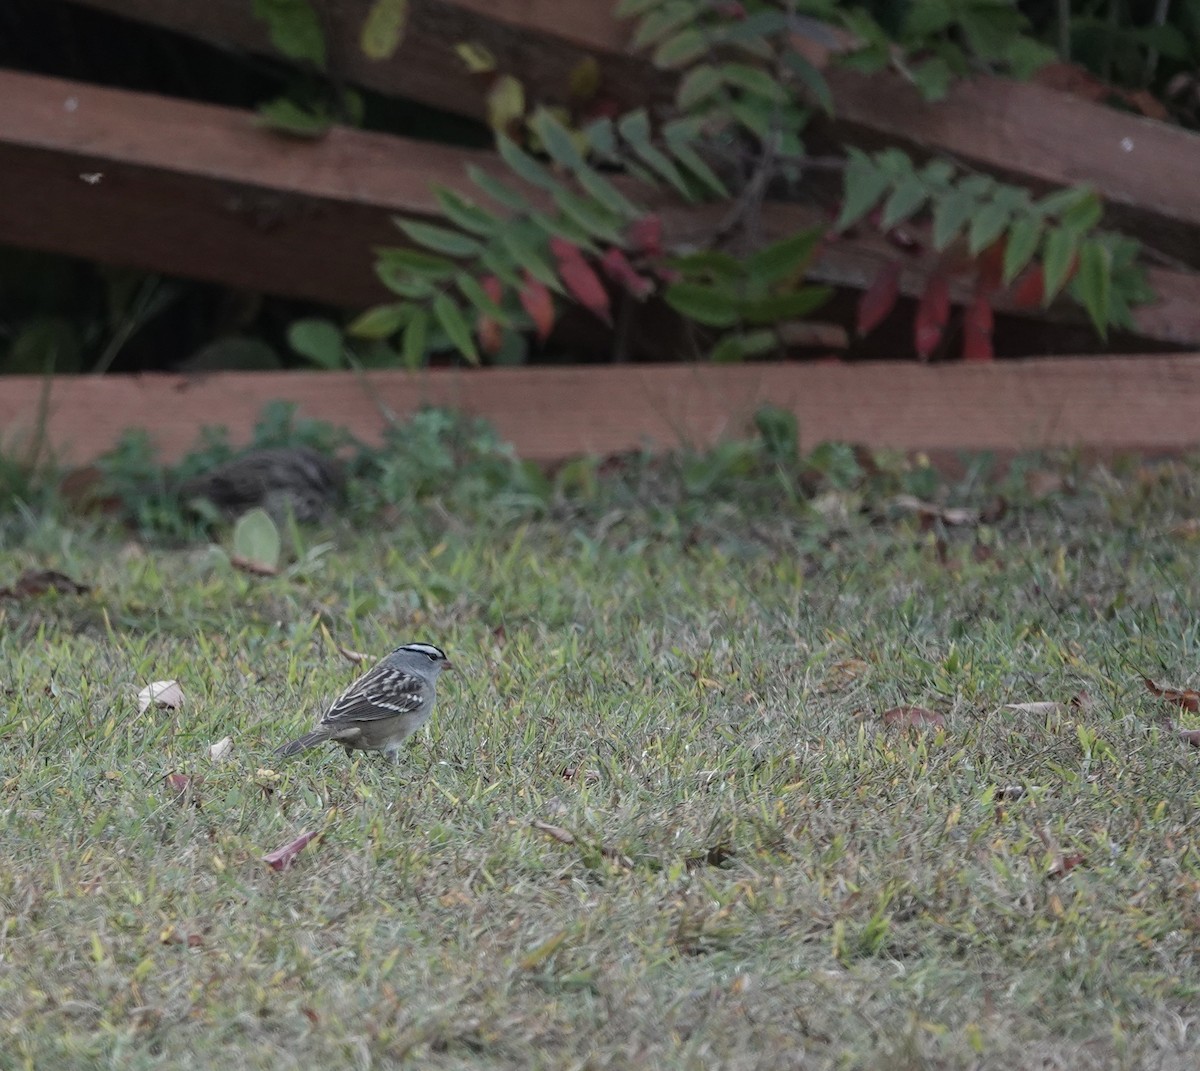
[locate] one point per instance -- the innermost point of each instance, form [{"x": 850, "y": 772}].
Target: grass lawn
[{"x": 657, "y": 819}]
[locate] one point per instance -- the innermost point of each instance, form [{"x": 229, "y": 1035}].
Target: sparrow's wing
[{"x": 382, "y": 692}]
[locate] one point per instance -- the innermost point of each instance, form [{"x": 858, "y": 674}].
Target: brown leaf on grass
[
  {"x": 282, "y": 858},
  {"x": 574, "y": 773},
  {"x": 955, "y": 516},
  {"x": 913, "y": 718},
  {"x": 354, "y": 657},
  {"x": 1187, "y": 698},
  {"x": 1064, "y": 864},
  {"x": 34, "y": 582},
  {"x": 565, "y": 836},
  {"x": 1191, "y": 736},
  {"x": 253, "y": 567},
  {"x": 311, "y": 1015},
  {"x": 166, "y": 695},
  {"x": 183, "y": 787}
]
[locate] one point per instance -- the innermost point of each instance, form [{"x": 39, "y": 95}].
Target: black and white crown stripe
[{"x": 427, "y": 649}]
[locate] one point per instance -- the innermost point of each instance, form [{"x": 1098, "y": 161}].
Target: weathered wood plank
[{"x": 1102, "y": 404}]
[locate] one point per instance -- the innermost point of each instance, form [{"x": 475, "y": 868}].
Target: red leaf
[
  {"x": 932, "y": 314},
  {"x": 977, "y": 329},
  {"x": 282, "y": 858},
  {"x": 536, "y": 300},
  {"x": 489, "y": 332},
  {"x": 879, "y": 298},
  {"x": 1027, "y": 293},
  {"x": 912, "y": 718},
  {"x": 645, "y": 236},
  {"x": 991, "y": 267},
  {"x": 1187, "y": 698},
  {"x": 617, "y": 267},
  {"x": 579, "y": 279}
]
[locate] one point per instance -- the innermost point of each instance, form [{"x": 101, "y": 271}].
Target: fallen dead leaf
[
  {"x": 34, "y": 582},
  {"x": 1064, "y": 864},
  {"x": 565, "y": 836},
  {"x": 1188, "y": 698},
  {"x": 220, "y": 749},
  {"x": 183, "y": 787},
  {"x": 574, "y": 773},
  {"x": 955, "y": 516},
  {"x": 255, "y": 568},
  {"x": 356, "y": 658},
  {"x": 166, "y": 695},
  {"x": 1192, "y": 736},
  {"x": 1034, "y": 708},
  {"x": 913, "y": 718},
  {"x": 282, "y": 858}
]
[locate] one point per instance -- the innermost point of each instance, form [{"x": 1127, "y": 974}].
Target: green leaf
[
  {"x": 950, "y": 213},
  {"x": 501, "y": 267},
  {"x": 864, "y": 184},
  {"x": 496, "y": 190},
  {"x": 476, "y": 295},
  {"x": 288, "y": 117},
  {"x": 601, "y": 136},
  {"x": 933, "y": 78},
  {"x": 904, "y": 202},
  {"x": 256, "y": 541},
  {"x": 465, "y": 214},
  {"x": 783, "y": 261},
  {"x": 709, "y": 305},
  {"x": 557, "y": 140},
  {"x": 1056, "y": 265},
  {"x": 1094, "y": 284},
  {"x": 689, "y": 158},
  {"x": 753, "y": 80},
  {"x": 698, "y": 85},
  {"x": 1062, "y": 201},
  {"x": 635, "y": 129},
  {"x": 522, "y": 247},
  {"x": 318, "y": 340},
  {"x": 660, "y": 24},
  {"x": 812, "y": 79},
  {"x": 713, "y": 265},
  {"x": 1023, "y": 239},
  {"x": 414, "y": 262},
  {"x": 415, "y": 337},
  {"x": 681, "y": 49},
  {"x": 450, "y": 316},
  {"x": 383, "y": 29},
  {"x": 294, "y": 29},
  {"x": 525, "y": 165},
  {"x": 1082, "y": 216},
  {"x": 734, "y": 348},
  {"x": 791, "y": 306},
  {"x": 989, "y": 223},
  {"x": 608, "y": 195},
  {"x": 379, "y": 322},
  {"x": 595, "y": 220},
  {"x": 439, "y": 239}
]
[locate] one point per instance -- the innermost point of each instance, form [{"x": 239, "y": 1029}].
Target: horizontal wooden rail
[{"x": 1102, "y": 404}]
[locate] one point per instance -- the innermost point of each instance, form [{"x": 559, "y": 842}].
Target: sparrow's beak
[{"x": 447, "y": 664}]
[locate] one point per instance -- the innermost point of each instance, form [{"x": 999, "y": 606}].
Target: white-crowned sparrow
[{"x": 384, "y": 707}]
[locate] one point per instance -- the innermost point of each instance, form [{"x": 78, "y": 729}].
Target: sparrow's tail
[{"x": 305, "y": 742}]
